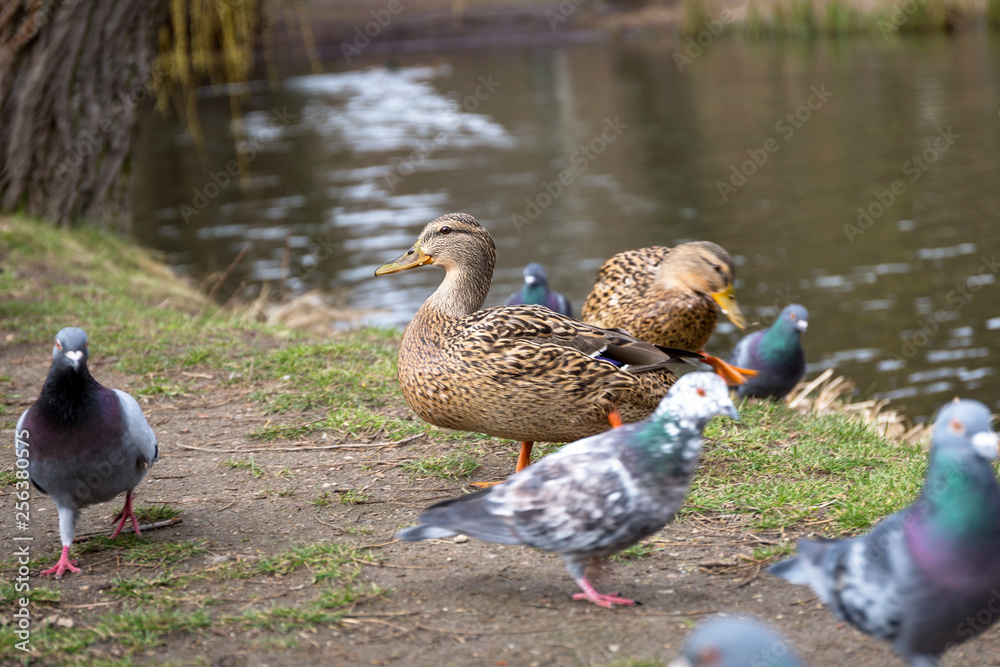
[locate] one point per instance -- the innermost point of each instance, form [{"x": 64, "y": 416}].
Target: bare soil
[{"x": 452, "y": 602}]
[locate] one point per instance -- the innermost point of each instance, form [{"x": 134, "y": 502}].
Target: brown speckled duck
[
  {"x": 668, "y": 297},
  {"x": 521, "y": 372}
]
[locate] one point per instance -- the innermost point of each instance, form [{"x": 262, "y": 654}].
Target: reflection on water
[{"x": 876, "y": 209}]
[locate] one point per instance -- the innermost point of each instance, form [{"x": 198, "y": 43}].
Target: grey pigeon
[
  {"x": 597, "y": 495},
  {"x": 536, "y": 291},
  {"x": 775, "y": 353},
  {"x": 736, "y": 642},
  {"x": 925, "y": 578},
  {"x": 84, "y": 443}
]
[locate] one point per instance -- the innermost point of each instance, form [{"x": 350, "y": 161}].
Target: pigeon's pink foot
[
  {"x": 124, "y": 516},
  {"x": 600, "y": 599},
  {"x": 62, "y": 566}
]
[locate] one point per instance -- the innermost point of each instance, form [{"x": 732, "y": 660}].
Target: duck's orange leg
[
  {"x": 524, "y": 458},
  {"x": 733, "y": 375},
  {"x": 523, "y": 461},
  {"x": 615, "y": 418}
]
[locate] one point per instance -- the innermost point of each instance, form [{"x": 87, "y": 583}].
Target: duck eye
[
  {"x": 717, "y": 267},
  {"x": 701, "y": 392},
  {"x": 445, "y": 230}
]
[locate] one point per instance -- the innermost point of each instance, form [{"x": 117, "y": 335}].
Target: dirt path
[{"x": 449, "y": 602}]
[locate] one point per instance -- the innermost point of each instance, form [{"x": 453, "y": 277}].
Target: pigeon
[
  {"x": 536, "y": 291},
  {"x": 595, "y": 496},
  {"x": 927, "y": 577},
  {"x": 84, "y": 443},
  {"x": 736, "y": 642},
  {"x": 775, "y": 353}
]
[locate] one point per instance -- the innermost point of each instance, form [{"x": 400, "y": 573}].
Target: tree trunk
[{"x": 72, "y": 73}]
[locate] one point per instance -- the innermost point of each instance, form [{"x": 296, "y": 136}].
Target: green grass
[
  {"x": 807, "y": 19},
  {"x": 154, "y": 513},
  {"x": 453, "y": 465},
  {"x": 634, "y": 552},
  {"x": 7, "y": 478},
  {"x": 244, "y": 464},
  {"x": 778, "y": 468},
  {"x": 9, "y": 595},
  {"x": 353, "y": 497},
  {"x": 325, "y": 561},
  {"x": 158, "y": 611}
]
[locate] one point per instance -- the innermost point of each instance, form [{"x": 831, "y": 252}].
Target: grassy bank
[
  {"x": 775, "y": 475},
  {"x": 808, "y": 18}
]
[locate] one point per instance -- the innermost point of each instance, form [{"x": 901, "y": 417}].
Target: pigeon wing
[
  {"x": 580, "y": 500},
  {"x": 137, "y": 433}
]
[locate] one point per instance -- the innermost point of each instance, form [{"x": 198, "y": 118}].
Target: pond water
[{"x": 859, "y": 178}]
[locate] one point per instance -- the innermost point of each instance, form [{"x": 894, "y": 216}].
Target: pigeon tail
[
  {"x": 791, "y": 570},
  {"x": 422, "y": 532},
  {"x": 468, "y": 515}
]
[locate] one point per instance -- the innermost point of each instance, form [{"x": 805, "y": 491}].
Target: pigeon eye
[
  {"x": 58, "y": 345},
  {"x": 445, "y": 230},
  {"x": 793, "y": 316},
  {"x": 701, "y": 392}
]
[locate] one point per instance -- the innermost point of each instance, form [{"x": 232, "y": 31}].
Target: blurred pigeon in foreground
[
  {"x": 922, "y": 578},
  {"x": 736, "y": 642},
  {"x": 84, "y": 443},
  {"x": 536, "y": 291},
  {"x": 595, "y": 496},
  {"x": 775, "y": 353}
]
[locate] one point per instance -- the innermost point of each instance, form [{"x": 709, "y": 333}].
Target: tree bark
[{"x": 72, "y": 73}]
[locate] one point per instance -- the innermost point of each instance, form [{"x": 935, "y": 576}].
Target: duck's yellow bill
[
  {"x": 727, "y": 302},
  {"x": 410, "y": 259}
]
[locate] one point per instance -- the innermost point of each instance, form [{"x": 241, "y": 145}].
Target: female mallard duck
[
  {"x": 668, "y": 297},
  {"x": 520, "y": 372}
]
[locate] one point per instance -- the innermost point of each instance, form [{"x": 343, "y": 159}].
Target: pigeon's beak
[
  {"x": 985, "y": 444},
  {"x": 410, "y": 259},
  {"x": 74, "y": 358},
  {"x": 802, "y": 325},
  {"x": 530, "y": 280},
  {"x": 729, "y": 410},
  {"x": 727, "y": 302}
]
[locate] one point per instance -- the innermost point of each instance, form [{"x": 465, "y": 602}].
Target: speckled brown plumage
[
  {"x": 522, "y": 372},
  {"x": 661, "y": 295}
]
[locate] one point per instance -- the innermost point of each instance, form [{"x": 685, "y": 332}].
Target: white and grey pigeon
[
  {"x": 736, "y": 642},
  {"x": 84, "y": 443},
  {"x": 595, "y": 496},
  {"x": 923, "y": 576}
]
